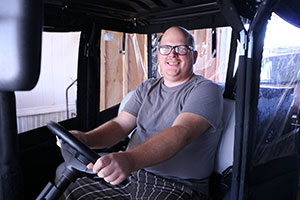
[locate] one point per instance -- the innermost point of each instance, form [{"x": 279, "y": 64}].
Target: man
[{"x": 178, "y": 123}]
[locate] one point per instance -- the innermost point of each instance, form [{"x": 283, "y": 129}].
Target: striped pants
[{"x": 140, "y": 185}]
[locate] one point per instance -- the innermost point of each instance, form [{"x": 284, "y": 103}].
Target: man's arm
[
  {"x": 166, "y": 144},
  {"x": 109, "y": 133},
  {"x": 116, "y": 167}
]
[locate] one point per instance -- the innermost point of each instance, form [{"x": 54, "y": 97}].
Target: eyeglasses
[{"x": 179, "y": 49}]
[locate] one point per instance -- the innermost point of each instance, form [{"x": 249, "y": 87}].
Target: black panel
[
  {"x": 278, "y": 183},
  {"x": 40, "y": 157}
]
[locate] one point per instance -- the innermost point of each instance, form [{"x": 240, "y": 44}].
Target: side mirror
[{"x": 20, "y": 43}]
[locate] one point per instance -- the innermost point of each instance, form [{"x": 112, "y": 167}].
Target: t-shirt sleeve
[{"x": 206, "y": 100}]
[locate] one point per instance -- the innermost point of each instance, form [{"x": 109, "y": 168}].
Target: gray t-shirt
[{"x": 156, "y": 106}]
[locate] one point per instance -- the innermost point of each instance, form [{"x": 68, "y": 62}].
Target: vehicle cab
[{"x": 73, "y": 62}]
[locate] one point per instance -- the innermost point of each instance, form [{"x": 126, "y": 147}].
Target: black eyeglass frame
[{"x": 176, "y": 49}]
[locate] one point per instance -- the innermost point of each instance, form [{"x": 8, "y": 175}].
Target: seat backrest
[
  {"x": 124, "y": 101},
  {"x": 224, "y": 156}
]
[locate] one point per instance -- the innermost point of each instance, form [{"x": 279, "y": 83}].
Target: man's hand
[
  {"x": 78, "y": 134},
  {"x": 114, "y": 167}
]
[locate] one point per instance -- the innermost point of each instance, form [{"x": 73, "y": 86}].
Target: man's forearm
[
  {"x": 115, "y": 167},
  {"x": 110, "y": 132},
  {"x": 105, "y": 135},
  {"x": 166, "y": 144},
  {"x": 159, "y": 148}
]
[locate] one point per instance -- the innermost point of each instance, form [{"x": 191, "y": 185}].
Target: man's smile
[{"x": 173, "y": 63}]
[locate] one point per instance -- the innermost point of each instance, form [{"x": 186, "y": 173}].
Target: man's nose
[{"x": 173, "y": 52}]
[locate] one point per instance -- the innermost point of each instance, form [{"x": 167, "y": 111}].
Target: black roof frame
[{"x": 134, "y": 17}]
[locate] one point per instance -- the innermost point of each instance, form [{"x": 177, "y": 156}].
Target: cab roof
[
  {"x": 140, "y": 16},
  {"x": 148, "y": 16}
]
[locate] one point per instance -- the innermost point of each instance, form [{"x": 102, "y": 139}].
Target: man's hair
[{"x": 188, "y": 35}]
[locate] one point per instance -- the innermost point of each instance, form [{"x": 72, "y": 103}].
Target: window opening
[
  {"x": 279, "y": 100},
  {"x": 47, "y": 101}
]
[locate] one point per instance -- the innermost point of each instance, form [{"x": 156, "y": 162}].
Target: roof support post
[
  {"x": 11, "y": 180},
  {"x": 88, "y": 94},
  {"x": 248, "y": 80}
]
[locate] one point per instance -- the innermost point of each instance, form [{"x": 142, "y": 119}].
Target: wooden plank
[
  {"x": 206, "y": 65},
  {"x": 112, "y": 62},
  {"x": 102, "y": 71},
  {"x": 136, "y": 60}
]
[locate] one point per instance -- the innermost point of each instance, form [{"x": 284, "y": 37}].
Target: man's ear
[{"x": 195, "y": 56}]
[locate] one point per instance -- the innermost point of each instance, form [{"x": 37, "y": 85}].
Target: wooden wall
[{"x": 121, "y": 72}]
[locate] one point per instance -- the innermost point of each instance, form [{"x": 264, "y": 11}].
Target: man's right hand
[{"x": 114, "y": 168}]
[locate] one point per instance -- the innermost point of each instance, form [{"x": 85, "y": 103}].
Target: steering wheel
[
  {"x": 76, "y": 155},
  {"x": 71, "y": 144}
]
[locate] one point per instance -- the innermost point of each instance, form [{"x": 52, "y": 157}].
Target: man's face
[{"x": 174, "y": 67}]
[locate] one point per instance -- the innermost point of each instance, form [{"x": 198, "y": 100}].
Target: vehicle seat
[
  {"x": 124, "y": 101},
  {"x": 220, "y": 180},
  {"x": 121, "y": 107},
  {"x": 224, "y": 156}
]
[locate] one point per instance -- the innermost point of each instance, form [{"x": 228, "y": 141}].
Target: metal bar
[{"x": 67, "y": 97}]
